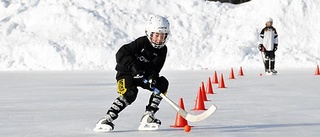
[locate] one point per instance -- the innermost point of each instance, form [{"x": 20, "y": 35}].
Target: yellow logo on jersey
[{"x": 121, "y": 86}]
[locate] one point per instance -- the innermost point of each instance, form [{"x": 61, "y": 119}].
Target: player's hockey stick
[
  {"x": 183, "y": 113},
  {"x": 186, "y": 115},
  {"x": 264, "y": 61}
]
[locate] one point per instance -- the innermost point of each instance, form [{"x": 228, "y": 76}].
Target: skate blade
[
  {"x": 102, "y": 128},
  {"x": 148, "y": 126},
  {"x": 269, "y": 74}
]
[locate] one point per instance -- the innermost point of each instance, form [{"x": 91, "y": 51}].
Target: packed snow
[
  {"x": 85, "y": 35},
  {"x": 68, "y": 104}
]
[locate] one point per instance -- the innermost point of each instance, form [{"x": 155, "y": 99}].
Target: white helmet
[
  {"x": 158, "y": 24},
  {"x": 269, "y": 20}
]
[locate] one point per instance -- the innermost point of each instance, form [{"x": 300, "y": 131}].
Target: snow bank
[{"x": 85, "y": 35}]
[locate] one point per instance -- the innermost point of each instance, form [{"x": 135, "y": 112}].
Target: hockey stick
[
  {"x": 264, "y": 62},
  {"x": 183, "y": 113}
]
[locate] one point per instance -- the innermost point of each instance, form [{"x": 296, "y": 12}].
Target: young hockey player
[
  {"x": 268, "y": 45},
  {"x": 138, "y": 61}
]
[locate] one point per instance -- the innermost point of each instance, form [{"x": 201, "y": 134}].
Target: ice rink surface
[{"x": 69, "y": 103}]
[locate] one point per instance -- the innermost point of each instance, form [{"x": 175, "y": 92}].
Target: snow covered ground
[
  {"x": 85, "y": 35},
  {"x": 69, "y": 104}
]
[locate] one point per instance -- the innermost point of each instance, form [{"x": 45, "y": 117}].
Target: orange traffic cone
[
  {"x": 240, "y": 72},
  {"x": 209, "y": 87},
  {"x": 180, "y": 121},
  {"x": 203, "y": 92},
  {"x": 199, "y": 102},
  {"x": 231, "y": 76},
  {"x": 215, "y": 78},
  {"x": 202, "y": 87},
  {"x": 317, "y": 70},
  {"x": 221, "y": 84}
]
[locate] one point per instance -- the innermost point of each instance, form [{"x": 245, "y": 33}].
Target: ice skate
[
  {"x": 268, "y": 72},
  {"x": 149, "y": 122},
  {"x": 104, "y": 125}
]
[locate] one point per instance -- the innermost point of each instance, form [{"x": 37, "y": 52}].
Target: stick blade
[
  {"x": 202, "y": 116},
  {"x": 186, "y": 115}
]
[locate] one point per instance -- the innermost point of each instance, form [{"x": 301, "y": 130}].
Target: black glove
[
  {"x": 261, "y": 48},
  {"x": 146, "y": 86},
  {"x": 152, "y": 83},
  {"x": 275, "y": 47},
  {"x": 152, "y": 79}
]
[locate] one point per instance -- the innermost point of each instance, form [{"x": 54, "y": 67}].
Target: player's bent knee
[
  {"x": 130, "y": 95},
  {"x": 162, "y": 84}
]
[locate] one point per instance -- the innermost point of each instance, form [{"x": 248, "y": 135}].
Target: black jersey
[{"x": 140, "y": 55}]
